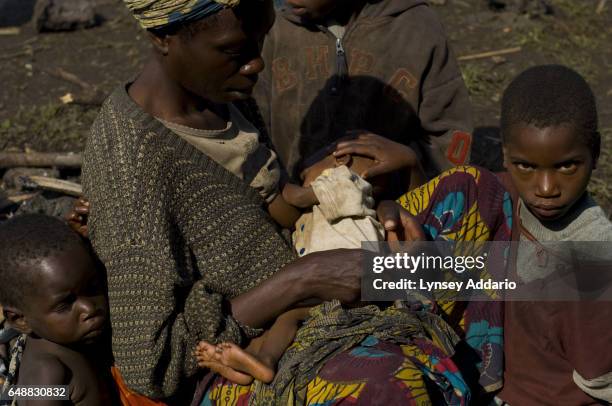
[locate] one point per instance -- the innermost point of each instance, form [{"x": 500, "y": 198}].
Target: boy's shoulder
[
  {"x": 591, "y": 223},
  {"x": 375, "y": 16},
  {"x": 43, "y": 368},
  {"x": 396, "y": 8},
  {"x": 54, "y": 365}
]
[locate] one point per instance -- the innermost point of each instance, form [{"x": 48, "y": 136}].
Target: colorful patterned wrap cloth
[{"x": 161, "y": 13}]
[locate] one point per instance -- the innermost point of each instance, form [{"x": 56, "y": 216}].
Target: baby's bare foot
[
  {"x": 205, "y": 352},
  {"x": 233, "y": 356},
  {"x": 205, "y": 355}
]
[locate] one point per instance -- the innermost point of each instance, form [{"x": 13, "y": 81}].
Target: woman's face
[{"x": 221, "y": 61}]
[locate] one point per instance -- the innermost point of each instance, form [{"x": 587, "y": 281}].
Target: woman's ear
[
  {"x": 159, "y": 43},
  {"x": 16, "y": 320}
]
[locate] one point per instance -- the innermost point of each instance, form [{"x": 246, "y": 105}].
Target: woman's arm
[
  {"x": 241, "y": 256},
  {"x": 326, "y": 275}
]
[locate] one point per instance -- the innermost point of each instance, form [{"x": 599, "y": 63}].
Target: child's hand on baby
[{"x": 389, "y": 155}]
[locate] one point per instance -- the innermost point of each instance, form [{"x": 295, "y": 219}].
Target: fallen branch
[
  {"x": 8, "y": 201},
  {"x": 14, "y": 55},
  {"x": 489, "y": 54},
  {"x": 601, "y": 6},
  {"x": 57, "y": 185},
  {"x": 71, "y": 77},
  {"x": 40, "y": 159},
  {"x": 21, "y": 198},
  {"x": 10, "y": 31}
]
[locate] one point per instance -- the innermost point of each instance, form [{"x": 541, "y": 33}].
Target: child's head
[
  {"x": 550, "y": 138},
  {"x": 315, "y": 10},
  {"x": 50, "y": 286}
]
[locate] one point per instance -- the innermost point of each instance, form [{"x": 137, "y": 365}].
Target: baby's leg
[
  {"x": 271, "y": 345},
  {"x": 280, "y": 336},
  {"x": 234, "y": 363},
  {"x": 232, "y": 356},
  {"x": 206, "y": 356},
  {"x": 261, "y": 356}
]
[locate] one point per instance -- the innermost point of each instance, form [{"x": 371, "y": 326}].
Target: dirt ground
[{"x": 33, "y": 116}]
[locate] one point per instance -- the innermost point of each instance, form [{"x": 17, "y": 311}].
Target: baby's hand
[{"x": 389, "y": 155}]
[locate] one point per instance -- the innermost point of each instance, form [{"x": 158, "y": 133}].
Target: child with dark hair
[
  {"x": 52, "y": 291},
  {"x": 556, "y": 352},
  {"x": 379, "y": 67}
]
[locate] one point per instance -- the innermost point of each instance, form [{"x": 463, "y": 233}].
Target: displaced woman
[{"x": 192, "y": 253}]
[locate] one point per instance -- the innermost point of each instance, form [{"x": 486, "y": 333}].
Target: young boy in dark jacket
[{"x": 385, "y": 67}]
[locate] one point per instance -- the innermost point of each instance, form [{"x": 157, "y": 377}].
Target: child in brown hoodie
[{"x": 382, "y": 66}]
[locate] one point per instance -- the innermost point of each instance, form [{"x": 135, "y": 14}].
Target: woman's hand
[
  {"x": 332, "y": 274},
  {"x": 390, "y": 156},
  {"x": 320, "y": 276},
  {"x": 77, "y": 217}
]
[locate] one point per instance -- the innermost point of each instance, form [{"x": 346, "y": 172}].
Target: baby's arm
[
  {"x": 299, "y": 196},
  {"x": 283, "y": 213},
  {"x": 284, "y": 208}
]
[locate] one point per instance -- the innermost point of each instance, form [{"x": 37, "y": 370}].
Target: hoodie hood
[{"x": 371, "y": 9}]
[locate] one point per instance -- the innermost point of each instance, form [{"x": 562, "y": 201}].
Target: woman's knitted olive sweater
[{"x": 179, "y": 235}]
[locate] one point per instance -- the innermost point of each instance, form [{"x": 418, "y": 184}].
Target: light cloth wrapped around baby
[{"x": 344, "y": 217}]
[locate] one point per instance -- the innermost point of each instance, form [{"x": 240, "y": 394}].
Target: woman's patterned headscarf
[{"x": 160, "y": 13}]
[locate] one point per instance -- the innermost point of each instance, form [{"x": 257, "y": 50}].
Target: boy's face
[
  {"x": 67, "y": 304},
  {"x": 220, "y": 62},
  {"x": 550, "y": 167},
  {"x": 315, "y": 10}
]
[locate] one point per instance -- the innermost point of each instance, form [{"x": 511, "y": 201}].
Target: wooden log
[
  {"x": 70, "y": 77},
  {"x": 490, "y": 54},
  {"x": 601, "y": 6},
  {"x": 58, "y": 185},
  {"x": 13, "y": 55},
  {"x": 40, "y": 159},
  {"x": 21, "y": 198},
  {"x": 10, "y": 31}
]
